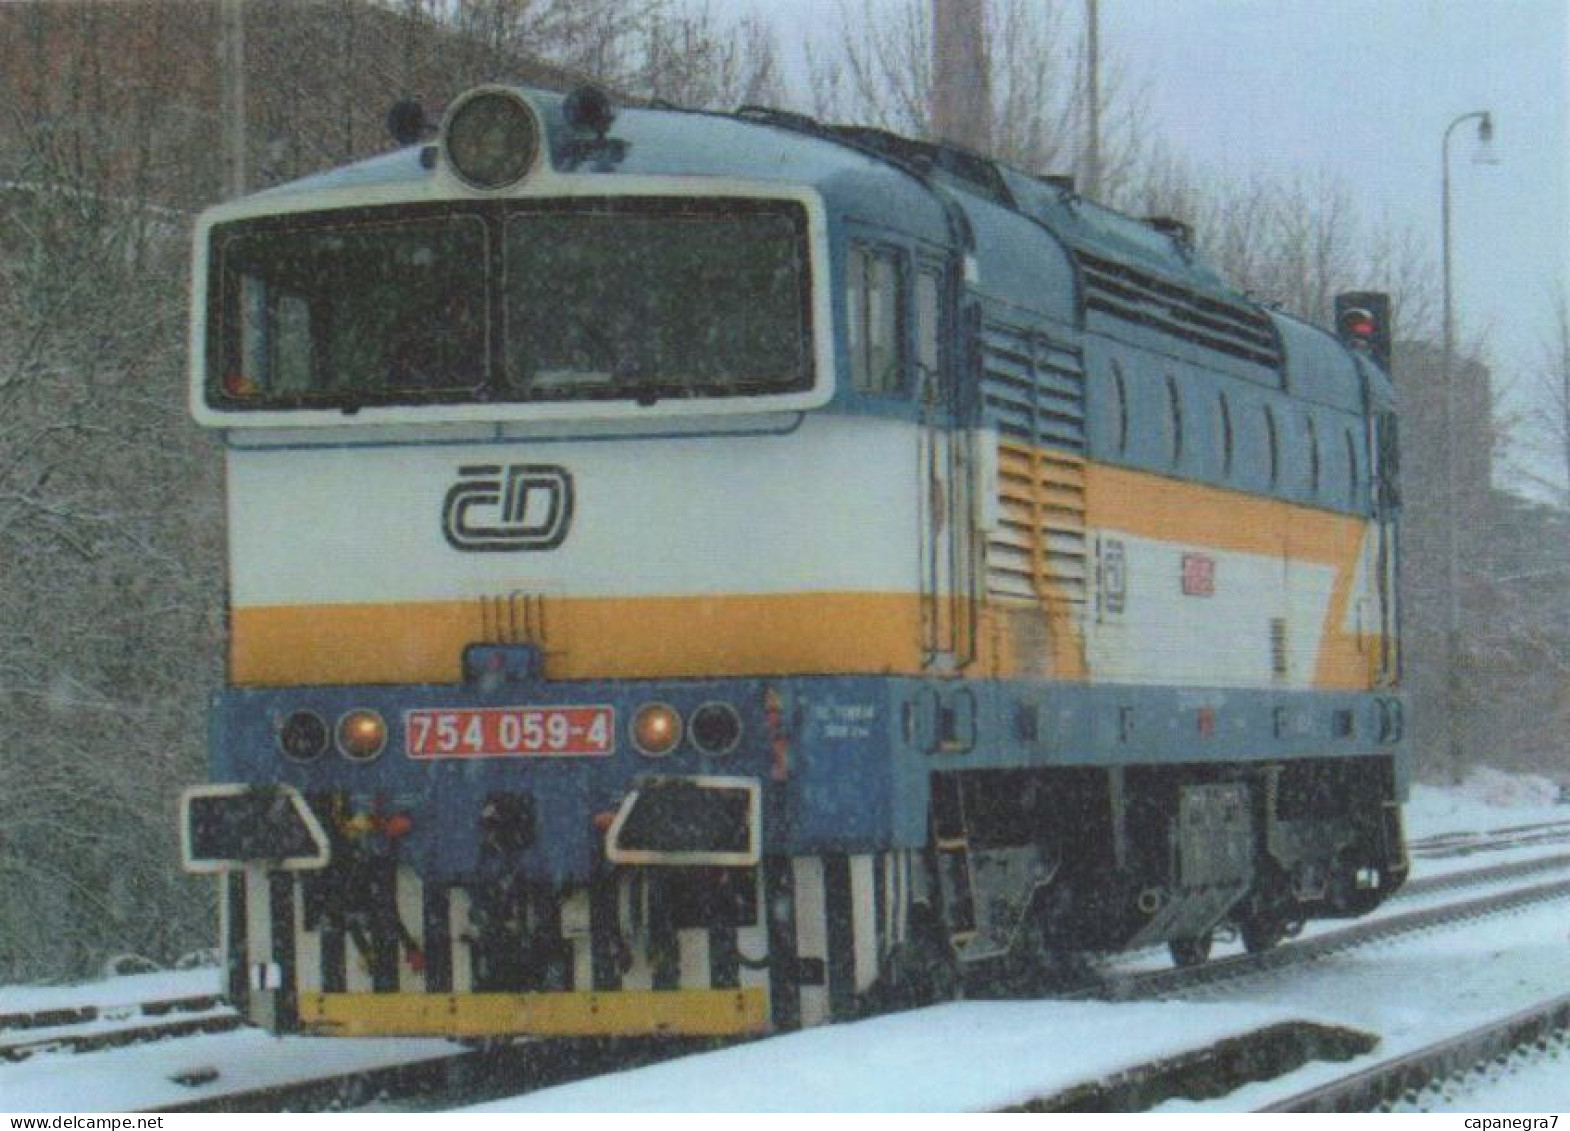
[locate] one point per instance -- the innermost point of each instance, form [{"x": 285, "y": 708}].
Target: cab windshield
[{"x": 510, "y": 302}]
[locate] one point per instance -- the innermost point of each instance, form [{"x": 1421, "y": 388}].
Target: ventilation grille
[
  {"x": 1033, "y": 393},
  {"x": 1038, "y": 551},
  {"x": 513, "y": 618},
  {"x": 1032, "y": 390},
  {"x": 1130, "y": 295}
]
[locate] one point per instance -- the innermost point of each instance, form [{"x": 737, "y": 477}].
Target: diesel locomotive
[{"x": 707, "y": 573}]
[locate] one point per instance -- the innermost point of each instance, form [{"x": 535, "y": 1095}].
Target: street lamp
[{"x": 1485, "y": 136}]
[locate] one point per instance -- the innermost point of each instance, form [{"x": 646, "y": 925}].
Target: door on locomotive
[{"x": 944, "y": 487}]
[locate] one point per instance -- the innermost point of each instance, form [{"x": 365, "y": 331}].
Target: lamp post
[{"x": 1485, "y": 134}]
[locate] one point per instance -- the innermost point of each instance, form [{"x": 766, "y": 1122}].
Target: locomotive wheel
[
  {"x": 1261, "y": 932},
  {"x": 1192, "y": 952}
]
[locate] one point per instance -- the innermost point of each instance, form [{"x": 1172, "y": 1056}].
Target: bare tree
[
  {"x": 880, "y": 73},
  {"x": 690, "y": 59},
  {"x": 1546, "y": 465}
]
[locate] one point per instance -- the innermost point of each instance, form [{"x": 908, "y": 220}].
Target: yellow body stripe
[
  {"x": 584, "y": 638},
  {"x": 692, "y": 1013}
]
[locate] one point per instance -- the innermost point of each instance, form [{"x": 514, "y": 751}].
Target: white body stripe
[
  {"x": 226, "y": 923},
  {"x": 632, "y": 900},
  {"x": 812, "y": 934},
  {"x": 258, "y": 922},
  {"x": 896, "y": 906},
  {"x": 744, "y": 514},
  {"x": 461, "y": 930},
  {"x": 357, "y": 964},
  {"x": 692, "y": 948},
  {"x": 1164, "y": 636},
  {"x": 577, "y": 928},
  {"x": 864, "y": 919},
  {"x": 410, "y": 903},
  {"x": 752, "y": 941},
  {"x": 307, "y": 944}
]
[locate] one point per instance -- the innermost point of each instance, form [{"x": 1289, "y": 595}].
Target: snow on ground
[
  {"x": 108, "y": 993},
  {"x": 1497, "y": 966},
  {"x": 993, "y": 1054},
  {"x": 141, "y": 1076},
  {"x": 1487, "y": 799}
]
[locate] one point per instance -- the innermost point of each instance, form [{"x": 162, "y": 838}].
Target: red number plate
[{"x": 510, "y": 732}]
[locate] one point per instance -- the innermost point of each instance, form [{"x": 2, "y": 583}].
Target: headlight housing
[
  {"x": 656, "y": 729},
  {"x": 303, "y": 736},
  {"x": 362, "y": 735},
  {"x": 491, "y": 138},
  {"x": 715, "y": 728}
]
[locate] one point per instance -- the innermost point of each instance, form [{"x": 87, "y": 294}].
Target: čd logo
[{"x": 522, "y": 506}]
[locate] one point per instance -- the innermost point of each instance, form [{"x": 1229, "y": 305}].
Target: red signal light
[
  {"x": 1364, "y": 322},
  {"x": 1359, "y": 323}
]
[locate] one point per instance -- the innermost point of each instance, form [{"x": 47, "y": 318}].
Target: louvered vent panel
[
  {"x": 1038, "y": 550},
  {"x": 1131, "y": 295},
  {"x": 1033, "y": 392}
]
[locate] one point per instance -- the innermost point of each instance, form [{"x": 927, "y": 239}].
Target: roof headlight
[{"x": 491, "y": 138}]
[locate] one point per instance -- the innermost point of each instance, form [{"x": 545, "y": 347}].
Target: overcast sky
[{"x": 1362, "y": 90}]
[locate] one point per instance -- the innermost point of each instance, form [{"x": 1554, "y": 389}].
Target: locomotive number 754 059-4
[{"x": 503, "y": 732}]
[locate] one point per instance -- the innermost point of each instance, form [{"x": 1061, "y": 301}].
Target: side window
[
  {"x": 1121, "y": 389},
  {"x": 1175, "y": 402},
  {"x": 1225, "y": 410},
  {"x": 876, "y": 331},
  {"x": 1313, "y": 456},
  {"x": 275, "y": 335},
  {"x": 1386, "y": 469},
  {"x": 1272, "y": 447},
  {"x": 928, "y": 319},
  {"x": 1351, "y": 468}
]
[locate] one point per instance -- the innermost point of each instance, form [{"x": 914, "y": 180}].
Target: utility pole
[
  {"x": 961, "y": 75},
  {"x": 231, "y": 85},
  {"x": 1455, "y": 747},
  {"x": 1092, "y": 185}
]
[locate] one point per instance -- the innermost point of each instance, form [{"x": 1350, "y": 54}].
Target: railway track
[
  {"x": 1179, "y": 980},
  {"x": 1442, "y": 845},
  {"x": 92, "y": 1028},
  {"x": 1406, "y": 1078}
]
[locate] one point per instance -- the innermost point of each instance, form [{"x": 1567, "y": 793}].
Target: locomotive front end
[{"x": 534, "y": 587}]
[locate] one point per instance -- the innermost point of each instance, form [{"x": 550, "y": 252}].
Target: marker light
[
  {"x": 362, "y": 735},
  {"x": 1358, "y": 323},
  {"x": 588, "y": 108},
  {"x": 491, "y": 138},
  {"x": 395, "y": 825},
  {"x": 656, "y": 729},
  {"x": 303, "y": 737},
  {"x": 716, "y": 728}
]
